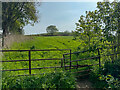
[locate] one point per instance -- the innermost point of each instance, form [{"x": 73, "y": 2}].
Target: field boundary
[
  {"x": 29, "y": 56},
  {"x": 63, "y": 59}
]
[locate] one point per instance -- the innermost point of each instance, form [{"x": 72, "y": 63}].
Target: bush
[
  {"x": 51, "y": 80},
  {"x": 111, "y": 81},
  {"x": 112, "y": 69},
  {"x": 109, "y": 74},
  {"x": 94, "y": 78}
]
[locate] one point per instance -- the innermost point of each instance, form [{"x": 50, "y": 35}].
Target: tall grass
[{"x": 10, "y": 39}]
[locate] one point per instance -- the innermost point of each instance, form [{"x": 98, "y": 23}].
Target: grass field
[
  {"x": 40, "y": 42},
  {"x": 55, "y": 42}
]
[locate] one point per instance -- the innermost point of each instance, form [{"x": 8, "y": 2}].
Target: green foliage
[
  {"x": 51, "y": 29},
  {"x": 65, "y": 33},
  {"x": 87, "y": 28},
  {"x": 101, "y": 25},
  {"x": 108, "y": 75},
  {"x": 111, "y": 68},
  {"x": 111, "y": 81},
  {"x": 51, "y": 80},
  {"x": 16, "y": 15},
  {"x": 97, "y": 83}
]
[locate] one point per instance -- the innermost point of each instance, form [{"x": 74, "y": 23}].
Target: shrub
[
  {"x": 111, "y": 81},
  {"x": 51, "y": 80},
  {"x": 109, "y": 74},
  {"x": 94, "y": 78},
  {"x": 111, "y": 68}
]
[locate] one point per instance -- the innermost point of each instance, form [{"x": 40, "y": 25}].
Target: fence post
[
  {"x": 70, "y": 59},
  {"x": 115, "y": 50},
  {"x": 99, "y": 57},
  {"x": 62, "y": 62},
  {"x": 77, "y": 65},
  {"x": 29, "y": 62}
]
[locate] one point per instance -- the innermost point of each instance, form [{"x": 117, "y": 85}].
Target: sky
[{"x": 63, "y": 15}]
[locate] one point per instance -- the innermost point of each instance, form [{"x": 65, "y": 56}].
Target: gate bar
[{"x": 30, "y": 62}]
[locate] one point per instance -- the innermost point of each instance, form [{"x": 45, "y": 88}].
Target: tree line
[{"x": 103, "y": 23}]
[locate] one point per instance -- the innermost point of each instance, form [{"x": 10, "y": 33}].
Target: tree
[
  {"x": 117, "y": 17},
  {"x": 104, "y": 22},
  {"x": 15, "y": 15},
  {"x": 0, "y": 15},
  {"x": 51, "y": 29},
  {"x": 110, "y": 15},
  {"x": 87, "y": 28}
]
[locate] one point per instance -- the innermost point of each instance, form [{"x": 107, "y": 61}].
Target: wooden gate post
[
  {"x": 29, "y": 62},
  {"x": 61, "y": 62},
  {"x": 99, "y": 57},
  {"x": 64, "y": 60},
  {"x": 70, "y": 59}
]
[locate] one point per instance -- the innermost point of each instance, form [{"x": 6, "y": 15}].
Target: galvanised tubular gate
[{"x": 29, "y": 53}]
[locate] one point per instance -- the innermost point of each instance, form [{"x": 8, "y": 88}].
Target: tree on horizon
[{"x": 51, "y": 29}]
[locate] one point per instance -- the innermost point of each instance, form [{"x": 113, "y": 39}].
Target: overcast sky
[{"x": 62, "y": 14}]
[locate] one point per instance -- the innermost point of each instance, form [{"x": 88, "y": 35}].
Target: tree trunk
[{"x": 5, "y": 32}]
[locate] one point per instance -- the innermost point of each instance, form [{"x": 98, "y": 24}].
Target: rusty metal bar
[
  {"x": 62, "y": 62},
  {"x": 67, "y": 58},
  {"x": 14, "y": 50},
  {"x": 70, "y": 59},
  {"x": 110, "y": 54},
  {"x": 46, "y": 59},
  {"x": 80, "y": 66},
  {"x": 14, "y": 61},
  {"x": 34, "y": 50},
  {"x": 64, "y": 59},
  {"x": 46, "y": 67},
  {"x": 85, "y": 59},
  {"x": 77, "y": 65},
  {"x": 99, "y": 57},
  {"x": 15, "y": 69},
  {"x": 30, "y": 62},
  {"x": 80, "y": 52},
  {"x": 29, "y": 54}
]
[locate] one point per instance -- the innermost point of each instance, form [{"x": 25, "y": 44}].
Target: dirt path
[{"x": 84, "y": 83}]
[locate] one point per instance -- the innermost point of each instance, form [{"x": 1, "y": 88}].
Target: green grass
[
  {"x": 58, "y": 42},
  {"x": 55, "y": 42}
]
